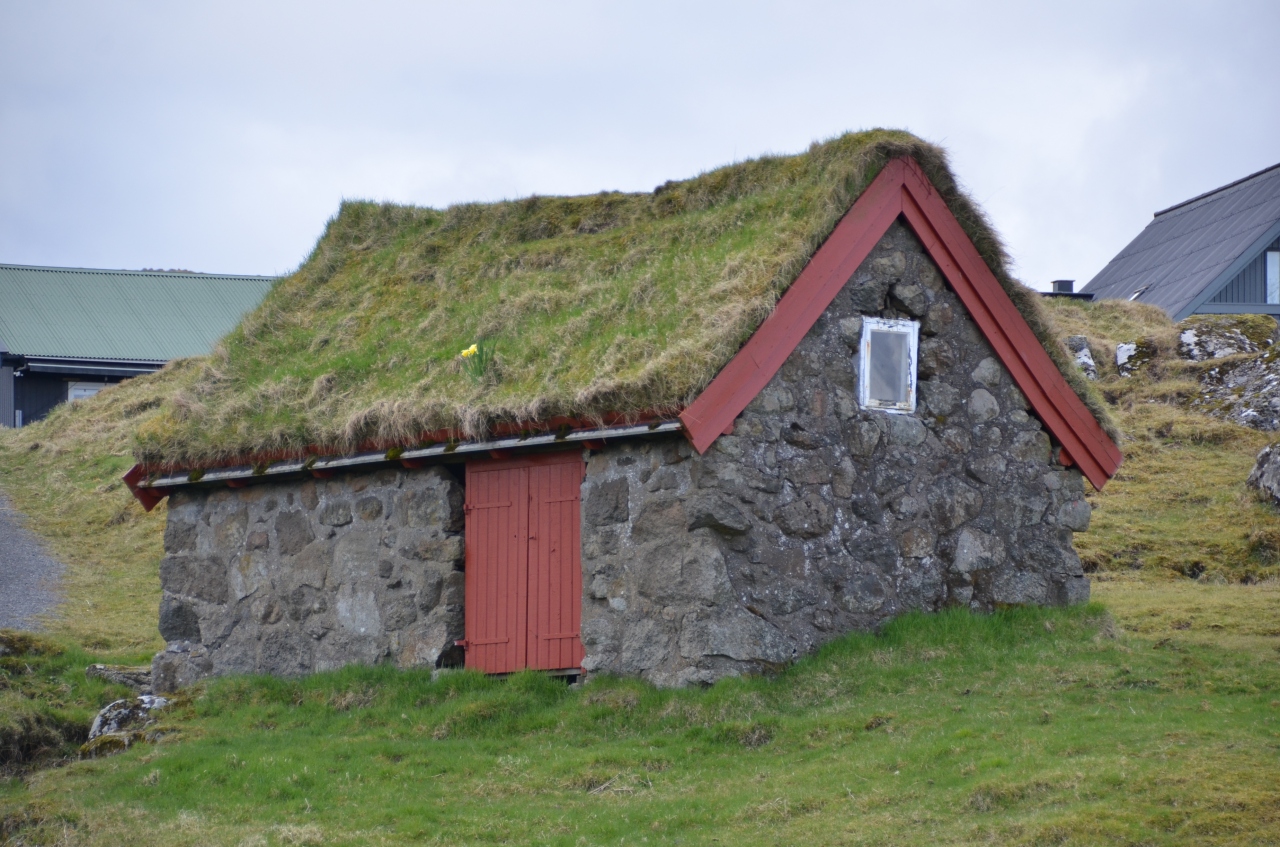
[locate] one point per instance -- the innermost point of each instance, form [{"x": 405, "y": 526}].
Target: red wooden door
[
  {"x": 524, "y": 571},
  {"x": 497, "y": 563}
]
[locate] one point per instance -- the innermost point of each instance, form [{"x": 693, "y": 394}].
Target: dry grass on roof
[{"x": 605, "y": 303}]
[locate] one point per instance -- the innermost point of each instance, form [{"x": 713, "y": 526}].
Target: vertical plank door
[
  {"x": 555, "y": 564},
  {"x": 497, "y": 565},
  {"x": 524, "y": 565}
]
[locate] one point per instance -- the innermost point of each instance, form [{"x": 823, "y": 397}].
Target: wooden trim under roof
[{"x": 902, "y": 189}]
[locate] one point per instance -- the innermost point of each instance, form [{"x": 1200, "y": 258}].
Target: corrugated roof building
[
  {"x": 1218, "y": 253},
  {"x": 65, "y": 333}
]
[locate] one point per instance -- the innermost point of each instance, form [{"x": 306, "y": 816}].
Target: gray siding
[
  {"x": 6, "y": 396},
  {"x": 37, "y": 394},
  {"x": 1250, "y": 285}
]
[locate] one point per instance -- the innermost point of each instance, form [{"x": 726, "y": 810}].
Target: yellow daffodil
[{"x": 470, "y": 351}]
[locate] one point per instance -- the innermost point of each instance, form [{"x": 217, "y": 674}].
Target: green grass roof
[{"x": 605, "y": 303}]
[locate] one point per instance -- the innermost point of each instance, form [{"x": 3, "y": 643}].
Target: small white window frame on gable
[{"x": 909, "y": 328}]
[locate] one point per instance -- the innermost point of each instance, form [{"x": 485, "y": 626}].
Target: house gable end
[
  {"x": 1204, "y": 300},
  {"x": 902, "y": 189}
]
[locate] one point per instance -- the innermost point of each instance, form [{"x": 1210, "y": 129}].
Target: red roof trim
[{"x": 903, "y": 189}]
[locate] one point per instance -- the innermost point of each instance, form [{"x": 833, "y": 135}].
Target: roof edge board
[
  {"x": 1220, "y": 281},
  {"x": 152, "y": 489},
  {"x": 58, "y": 269},
  {"x": 1239, "y": 309},
  {"x": 1217, "y": 190},
  {"x": 903, "y": 190}
]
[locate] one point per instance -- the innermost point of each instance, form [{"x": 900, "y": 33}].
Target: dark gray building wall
[
  {"x": 1250, "y": 285},
  {"x": 37, "y": 394},
  {"x": 6, "y": 396},
  {"x": 816, "y": 517}
]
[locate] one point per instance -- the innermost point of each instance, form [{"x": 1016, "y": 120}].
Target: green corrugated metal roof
[{"x": 140, "y": 315}]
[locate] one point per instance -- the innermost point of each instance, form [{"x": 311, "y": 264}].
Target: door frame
[{"x": 484, "y": 602}]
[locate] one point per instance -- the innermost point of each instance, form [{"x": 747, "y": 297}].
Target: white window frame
[
  {"x": 72, "y": 387},
  {"x": 905, "y": 327}
]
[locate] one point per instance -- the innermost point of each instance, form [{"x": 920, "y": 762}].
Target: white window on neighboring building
[
  {"x": 887, "y": 364},
  {"x": 82, "y": 390},
  {"x": 1273, "y": 277}
]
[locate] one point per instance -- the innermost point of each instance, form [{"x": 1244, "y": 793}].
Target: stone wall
[
  {"x": 293, "y": 577},
  {"x": 815, "y": 517}
]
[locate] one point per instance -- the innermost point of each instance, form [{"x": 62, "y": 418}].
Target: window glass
[
  {"x": 83, "y": 390},
  {"x": 1273, "y": 277},
  {"x": 887, "y": 364},
  {"x": 890, "y": 356}
]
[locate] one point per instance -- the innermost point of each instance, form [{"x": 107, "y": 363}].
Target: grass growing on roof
[
  {"x": 1025, "y": 727},
  {"x": 605, "y": 303}
]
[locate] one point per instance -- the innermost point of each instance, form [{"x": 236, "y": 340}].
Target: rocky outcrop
[
  {"x": 131, "y": 676},
  {"x": 815, "y": 517},
  {"x": 121, "y": 724},
  {"x": 293, "y": 577},
  {"x": 1132, "y": 355},
  {"x": 1246, "y": 391},
  {"x": 1211, "y": 337},
  {"x": 1078, "y": 346},
  {"x": 1265, "y": 477}
]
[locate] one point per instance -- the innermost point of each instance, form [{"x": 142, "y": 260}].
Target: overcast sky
[{"x": 220, "y": 136}]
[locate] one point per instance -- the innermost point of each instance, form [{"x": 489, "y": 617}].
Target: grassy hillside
[
  {"x": 1025, "y": 727},
  {"x": 64, "y": 473},
  {"x": 1179, "y": 505},
  {"x": 606, "y": 303}
]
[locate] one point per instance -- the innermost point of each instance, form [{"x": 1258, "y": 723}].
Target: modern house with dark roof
[
  {"x": 680, "y": 434},
  {"x": 1218, "y": 253},
  {"x": 66, "y": 333}
]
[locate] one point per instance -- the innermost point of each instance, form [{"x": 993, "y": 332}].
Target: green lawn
[{"x": 1026, "y": 727}]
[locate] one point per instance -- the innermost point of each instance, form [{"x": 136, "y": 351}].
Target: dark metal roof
[
  {"x": 1190, "y": 250},
  {"x": 147, "y": 316}
]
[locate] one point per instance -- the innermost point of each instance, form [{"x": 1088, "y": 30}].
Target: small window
[
  {"x": 887, "y": 365},
  {"x": 1273, "y": 277},
  {"x": 82, "y": 390}
]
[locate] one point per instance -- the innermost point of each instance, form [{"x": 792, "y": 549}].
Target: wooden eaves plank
[{"x": 902, "y": 188}]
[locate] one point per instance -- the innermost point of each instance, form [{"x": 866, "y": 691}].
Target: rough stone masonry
[
  {"x": 290, "y": 578},
  {"x": 815, "y": 517},
  {"x": 812, "y": 519}
]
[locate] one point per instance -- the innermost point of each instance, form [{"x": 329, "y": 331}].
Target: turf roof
[{"x": 604, "y": 303}]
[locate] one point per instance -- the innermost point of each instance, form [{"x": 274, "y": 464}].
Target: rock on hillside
[
  {"x": 1214, "y": 338},
  {"x": 1232, "y": 357},
  {"x": 1266, "y": 473},
  {"x": 1244, "y": 390}
]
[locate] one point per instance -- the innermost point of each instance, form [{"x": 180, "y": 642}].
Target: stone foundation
[{"x": 294, "y": 577}]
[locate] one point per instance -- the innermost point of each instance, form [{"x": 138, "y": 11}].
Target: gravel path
[{"x": 28, "y": 576}]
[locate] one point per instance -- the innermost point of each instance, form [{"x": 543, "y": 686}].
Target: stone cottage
[{"x": 899, "y": 431}]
